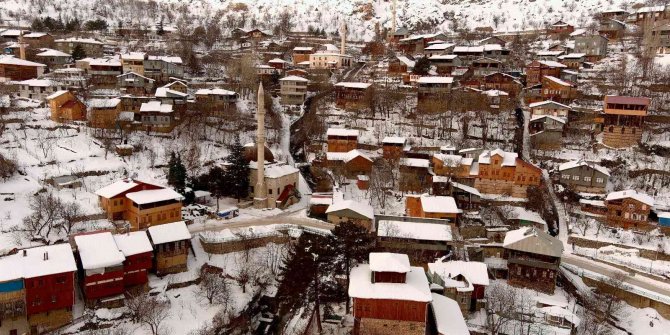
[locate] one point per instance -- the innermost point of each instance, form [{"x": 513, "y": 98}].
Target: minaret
[
  {"x": 22, "y": 47},
  {"x": 393, "y": 19},
  {"x": 343, "y": 37},
  {"x": 260, "y": 196}
]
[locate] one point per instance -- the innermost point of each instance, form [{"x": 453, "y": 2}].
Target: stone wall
[
  {"x": 587, "y": 243},
  {"x": 630, "y": 298},
  {"x": 490, "y": 186},
  {"x": 239, "y": 245},
  {"x": 50, "y": 320},
  {"x": 390, "y": 327},
  {"x": 616, "y": 139}
]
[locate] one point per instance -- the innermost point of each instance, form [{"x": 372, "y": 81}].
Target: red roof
[{"x": 614, "y": 99}]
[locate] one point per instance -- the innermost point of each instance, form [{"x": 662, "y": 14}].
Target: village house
[
  {"x": 593, "y": 46},
  {"x": 37, "y": 289},
  {"x": 500, "y": 172},
  {"x": 293, "y": 90},
  {"x": 451, "y": 165},
  {"x": 560, "y": 28},
  {"x": 278, "y": 63},
  {"x": 518, "y": 217},
  {"x": 216, "y": 101},
  {"x": 464, "y": 282},
  {"x": 91, "y": 47},
  {"x": 660, "y": 38},
  {"x": 614, "y": 13},
  {"x": 496, "y": 81},
  {"x": 448, "y": 317},
  {"x": 417, "y": 43},
  {"x": 624, "y": 120},
  {"x": 266, "y": 71},
  {"x": 492, "y": 40},
  {"x": 139, "y": 203},
  {"x": 281, "y": 182},
  {"x": 434, "y": 207},
  {"x": 393, "y": 147},
  {"x": 39, "y": 89},
  {"x": 400, "y": 66},
  {"x": 549, "y": 107},
  {"x": 12, "y": 68},
  {"x": 37, "y": 40},
  {"x": 468, "y": 53},
  {"x": 171, "y": 243},
  {"x": 650, "y": 14},
  {"x": 547, "y": 55},
  {"x": 422, "y": 238},
  {"x": 133, "y": 62},
  {"x": 415, "y": 174},
  {"x": 72, "y": 77},
  {"x": 438, "y": 49},
  {"x": 341, "y": 140},
  {"x": 301, "y": 54},
  {"x": 389, "y": 296},
  {"x": 537, "y": 69},
  {"x": 175, "y": 94},
  {"x": 103, "y": 71},
  {"x": 163, "y": 69},
  {"x": 467, "y": 197},
  {"x": 100, "y": 269},
  {"x": 445, "y": 64},
  {"x": 533, "y": 258},
  {"x": 558, "y": 90},
  {"x": 350, "y": 163},
  {"x": 66, "y": 107},
  {"x": 135, "y": 84},
  {"x": 485, "y": 66},
  {"x": 611, "y": 28},
  {"x": 432, "y": 92},
  {"x": 573, "y": 61},
  {"x": 399, "y": 34},
  {"x": 104, "y": 112},
  {"x": 157, "y": 116},
  {"x": 330, "y": 57},
  {"x": 357, "y": 212},
  {"x": 349, "y": 95},
  {"x": 53, "y": 59},
  {"x": 546, "y": 132},
  {"x": 629, "y": 209},
  {"x": 583, "y": 176},
  {"x": 137, "y": 250}
]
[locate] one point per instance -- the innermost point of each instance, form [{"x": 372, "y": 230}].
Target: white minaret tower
[
  {"x": 260, "y": 196},
  {"x": 343, "y": 38},
  {"x": 22, "y": 47},
  {"x": 393, "y": 19}
]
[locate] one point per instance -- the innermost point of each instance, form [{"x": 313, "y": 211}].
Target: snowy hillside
[{"x": 361, "y": 15}]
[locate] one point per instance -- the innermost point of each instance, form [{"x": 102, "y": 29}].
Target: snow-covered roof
[
  {"x": 596, "y": 203},
  {"x": 169, "y": 232},
  {"x": 466, "y": 188},
  {"x": 477, "y": 49},
  {"x": 389, "y": 262},
  {"x": 167, "y": 59},
  {"x": 52, "y": 53},
  {"x": 275, "y": 170},
  {"x": 11, "y": 60},
  {"x": 342, "y": 132},
  {"x": 103, "y": 103},
  {"x": 551, "y": 63},
  {"x": 346, "y": 156},
  {"x": 435, "y": 80},
  {"x": 98, "y": 251},
  {"x": 116, "y": 188},
  {"x": 394, "y": 140},
  {"x": 555, "y": 118},
  {"x": 562, "y": 313},
  {"x": 509, "y": 158},
  {"x": 35, "y": 35},
  {"x": 414, "y": 230},
  {"x": 439, "y": 204},
  {"x": 353, "y": 85},
  {"x": 549, "y": 53},
  {"x": 294, "y": 78},
  {"x": 303, "y": 49},
  {"x": 134, "y": 56},
  {"x": 415, "y": 162},
  {"x": 440, "y": 57},
  {"x": 449, "y": 160},
  {"x": 151, "y": 196},
  {"x": 495, "y": 93},
  {"x": 37, "y": 82},
  {"x": 533, "y": 240},
  {"x": 78, "y": 40},
  {"x": 641, "y": 197},
  {"x": 214, "y": 91},
  {"x": 648, "y": 9},
  {"x": 34, "y": 264},
  {"x": 558, "y": 81},
  {"x": 277, "y": 60},
  {"x": 415, "y": 287},
  {"x": 578, "y": 32},
  {"x": 11, "y": 32},
  {"x": 448, "y": 316},
  {"x": 580, "y": 162},
  {"x": 548, "y": 102},
  {"x": 165, "y": 92},
  {"x": 104, "y": 62},
  {"x": 131, "y": 73},
  {"x": 573, "y": 55},
  {"x": 520, "y": 213},
  {"x": 56, "y": 94},
  {"x": 360, "y": 207},
  {"x": 475, "y": 273},
  {"x": 439, "y": 46},
  {"x": 405, "y": 60},
  {"x": 133, "y": 243},
  {"x": 155, "y": 106}
]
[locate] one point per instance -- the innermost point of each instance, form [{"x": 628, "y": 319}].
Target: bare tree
[
  {"x": 151, "y": 311},
  {"x": 502, "y": 307},
  {"x": 214, "y": 287}
]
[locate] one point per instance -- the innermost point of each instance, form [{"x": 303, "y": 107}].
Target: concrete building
[{"x": 293, "y": 90}]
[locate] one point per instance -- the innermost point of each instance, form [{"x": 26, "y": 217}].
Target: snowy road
[{"x": 654, "y": 286}]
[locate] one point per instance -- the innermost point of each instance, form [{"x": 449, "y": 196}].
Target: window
[
  {"x": 587, "y": 179},
  {"x": 269, "y": 191},
  {"x": 53, "y": 299},
  {"x": 575, "y": 177},
  {"x": 599, "y": 180},
  {"x": 566, "y": 176}
]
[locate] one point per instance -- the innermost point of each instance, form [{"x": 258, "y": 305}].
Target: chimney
[
  {"x": 343, "y": 37},
  {"x": 22, "y": 48},
  {"x": 25, "y": 252}
]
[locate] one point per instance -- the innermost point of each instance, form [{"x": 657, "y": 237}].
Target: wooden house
[
  {"x": 593, "y": 46},
  {"x": 432, "y": 92},
  {"x": 399, "y": 34},
  {"x": 417, "y": 43},
  {"x": 350, "y": 95},
  {"x": 52, "y": 58},
  {"x": 546, "y": 132},
  {"x": 502, "y": 82},
  {"x": 629, "y": 209},
  {"x": 39, "y": 89},
  {"x": 137, "y": 250},
  {"x": 438, "y": 49},
  {"x": 533, "y": 258},
  {"x": 464, "y": 282},
  {"x": 393, "y": 147},
  {"x": 659, "y": 42},
  {"x": 341, "y": 140},
  {"x": 451, "y": 165},
  {"x": 485, "y": 66},
  {"x": 389, "y": 296},
  {"x": 422, "y": 238},
  {"x": 173, "y": 94},
  {"x": 537, "y": 69},
  {"x": 492, "y": 40},
  {"x": 550, "y": 108},
  {"x": 133, "y": 62},
  {"x": 171, "y": 243},
  {"x": 612, "y": 28},
  {"x": 91, "y": 46},
  {"x": 100, "y": 268},
  {"x": 12, "y": 68},
  {"x": 400, "y": 66},
  {"x": 135, "y": 84},
  {"x": 500, "y": 172},
  {"x": 351, "y": 163},
  {"x": 573, "y": 61},
  {"x": 38, "y": 40},
  {"x": 624, "y": 120},
  {"x": 649, "y": 14},
  {"x": 103, "y": 71},
  {"x": 216, "y": 102},
  {"x": 139, "y": 203},
  {"x": 163, "y": 69},
  {"x": 583, "y": 176},
  {"x": 66, "y": 107},
  {"x": 558, "y": 90},
  {"x": 104, "y": 113},
  {"x": 560, "y": 28},
  {"x": 37, "y": 291},
  {"x": 415, "y": 174},
  {"x": 466, "y": 197},
  {"x": 434, "y": 207},
  {"x": 158, "y": 116},
  {"x": 357, "y": 212},
  {"x": 301, "y": 54},
  {"x": 445, "y": 64}
]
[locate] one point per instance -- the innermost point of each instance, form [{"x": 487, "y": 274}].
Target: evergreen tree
[
  {"x": 37, "y": 24},
  {"x": 237, "y": 172},
  {"x": 78, "y": 52},
  {"x": 159, "y": 29},
  {"x": 422, "y": 66},
  {"x": 215, "y": 182},
  {"x": 352, "y": 243},
  {"x": 176, "y": 173}
]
